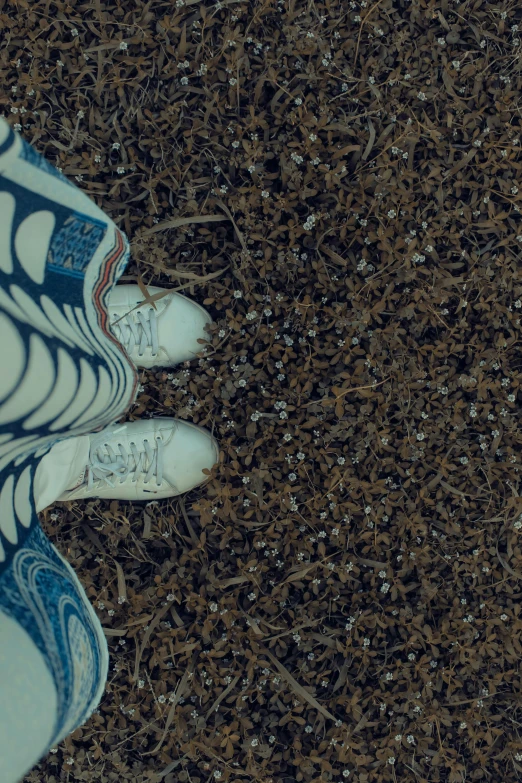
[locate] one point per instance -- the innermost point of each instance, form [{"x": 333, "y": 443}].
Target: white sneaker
[
  {"x": 157, "y": 338},
  {"x": 145, "y": 460}
]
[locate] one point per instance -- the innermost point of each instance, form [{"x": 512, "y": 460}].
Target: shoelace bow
[
  {"x": 140, "y": 333},
  {"x": 109, "y": 466}
]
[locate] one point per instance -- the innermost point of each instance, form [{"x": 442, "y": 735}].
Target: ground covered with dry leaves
[{"x": 337, "y": 182}]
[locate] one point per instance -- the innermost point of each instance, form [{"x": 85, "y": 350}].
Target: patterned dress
[{"x": 62, "y": 374}]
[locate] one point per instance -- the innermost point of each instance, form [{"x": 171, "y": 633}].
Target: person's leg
[
  {"x": 65, "y": 377},
  {"x": 63, "y": 374},
  {"x": 53, "y": 655}
]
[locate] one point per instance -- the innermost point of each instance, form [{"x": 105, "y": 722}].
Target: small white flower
[{"x": 123, "y": 46}]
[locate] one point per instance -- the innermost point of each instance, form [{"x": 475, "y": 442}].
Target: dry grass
[{"x": 342, "y": 600}]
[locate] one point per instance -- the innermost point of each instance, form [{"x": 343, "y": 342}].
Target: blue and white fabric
[{"x": 62, "y": 374}]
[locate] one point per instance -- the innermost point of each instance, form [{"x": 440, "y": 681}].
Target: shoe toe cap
[
  {"x": 181, "y": 326},
  {"x": 190, "y": 451}
]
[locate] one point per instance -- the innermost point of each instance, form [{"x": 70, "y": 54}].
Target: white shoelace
[
  {"x": 140, "y": 333},
  {"x": 107, "y": 465}
]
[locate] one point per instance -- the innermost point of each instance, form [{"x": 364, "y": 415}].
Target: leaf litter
[{"x": 337, "y": 183}]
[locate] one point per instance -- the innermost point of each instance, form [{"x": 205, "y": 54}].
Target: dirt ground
[{"x": 337, "y": 183}]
